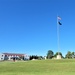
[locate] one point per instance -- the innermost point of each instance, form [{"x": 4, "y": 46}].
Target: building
[
  {"x": 10, "y": 56},
  {"x": 2, "y": 56}
]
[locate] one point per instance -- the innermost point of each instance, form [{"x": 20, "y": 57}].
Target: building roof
[{"x": 13, "y": 54}]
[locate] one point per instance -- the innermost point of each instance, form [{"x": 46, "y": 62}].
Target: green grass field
[{"x": 38, "y": 67}]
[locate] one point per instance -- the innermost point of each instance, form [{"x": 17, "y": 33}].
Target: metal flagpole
[{"x": 58, "y": 39}]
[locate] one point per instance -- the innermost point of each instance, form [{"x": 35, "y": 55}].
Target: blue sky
[{"x": 30, "y": 26}]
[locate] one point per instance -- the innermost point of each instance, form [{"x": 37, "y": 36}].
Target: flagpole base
[{"x": 58, "y": 56}]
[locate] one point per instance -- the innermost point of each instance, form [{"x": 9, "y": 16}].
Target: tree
[
  {"x": 73, "y": 54},
  {"x": 35, "y": 57},
  {"x": 50, "y": 54},
  {"x": 68, "y": 55}
]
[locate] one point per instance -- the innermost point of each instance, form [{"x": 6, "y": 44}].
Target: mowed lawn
[{"x": 38, "y": 67}]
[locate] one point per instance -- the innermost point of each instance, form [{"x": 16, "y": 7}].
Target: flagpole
[
  {"x": 58, "y": 43},
  {"x": 58, "y": 40}
]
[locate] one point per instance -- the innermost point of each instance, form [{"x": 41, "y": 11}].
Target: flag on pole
[
  {"x": 59, "y": 23},
  {"x": 59, "y": 18}
]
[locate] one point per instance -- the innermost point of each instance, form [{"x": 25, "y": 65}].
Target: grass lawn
[{"x": 38, "y": 67}]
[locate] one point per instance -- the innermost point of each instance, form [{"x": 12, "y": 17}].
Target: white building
[
  {"x": 26, "y": 57},
  {"x": 10, "y": 56},
  {"x": 2, "y": 56}
]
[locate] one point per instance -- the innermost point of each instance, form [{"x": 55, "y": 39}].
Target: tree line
[
  {"x": 69, "y": 55},
  {"x": 35, "y": 57}
]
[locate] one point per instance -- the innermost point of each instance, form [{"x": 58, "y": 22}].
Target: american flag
[{"x": 59, "y": 18}]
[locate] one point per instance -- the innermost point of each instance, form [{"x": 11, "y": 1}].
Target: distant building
[
  {"x": 45, "y": 57},
  {"x": 10, "y": 56},
  {"x": 2, "y": 56},
  {"x": 26, "y": 57}
]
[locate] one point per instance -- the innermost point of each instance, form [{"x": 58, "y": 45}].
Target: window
[{"x": 2, "y": 55}]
